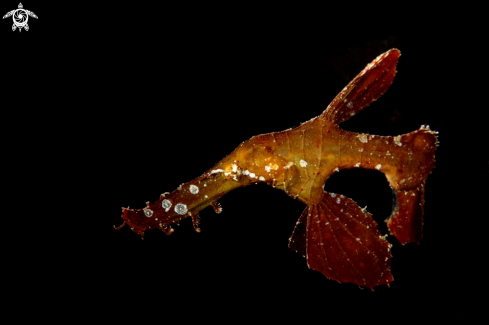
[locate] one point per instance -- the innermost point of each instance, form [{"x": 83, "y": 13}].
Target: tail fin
[
  {"x": 406, "y": 220},
  {"x": 367, "y": 86},
  {"x": 341, "y": 240},
  {"x": 408, "y": 185}
]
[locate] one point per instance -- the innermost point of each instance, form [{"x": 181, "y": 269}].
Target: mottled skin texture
[{"x": 339, "y": 239}]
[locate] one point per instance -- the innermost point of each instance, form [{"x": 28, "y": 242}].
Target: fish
[{"x": 336, "y": 236}]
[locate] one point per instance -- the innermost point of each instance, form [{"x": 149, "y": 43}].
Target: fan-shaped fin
[
  {"x": 367, "y": 86},
  {"x": 342, "y": 241}
]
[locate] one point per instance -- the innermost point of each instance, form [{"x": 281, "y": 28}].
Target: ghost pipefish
[{"x": 337, "y": 237}]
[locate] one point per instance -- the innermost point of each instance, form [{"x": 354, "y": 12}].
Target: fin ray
[{"x": 297, "y": 242}]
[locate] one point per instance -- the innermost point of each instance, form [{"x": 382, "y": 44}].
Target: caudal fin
[
  {"x": 341, "y": 240},
  {"x": 367, "y": 86},
  {"x": 408, "y": 185},
  {"x": 406, "y": 220}
]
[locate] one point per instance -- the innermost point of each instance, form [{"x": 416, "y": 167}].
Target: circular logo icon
[{"x": 20, "y": 17}]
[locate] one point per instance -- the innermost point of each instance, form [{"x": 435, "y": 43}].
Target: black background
[{"x": 114, "y": 105}]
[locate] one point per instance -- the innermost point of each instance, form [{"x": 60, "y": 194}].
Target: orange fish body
[{"x": 337, "y": 237}]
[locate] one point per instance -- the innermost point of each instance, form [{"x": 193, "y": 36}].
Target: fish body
[{"x": 337, "y": 237}]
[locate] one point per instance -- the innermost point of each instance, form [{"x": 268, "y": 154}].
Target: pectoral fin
[{"x": 342, "y": 241}]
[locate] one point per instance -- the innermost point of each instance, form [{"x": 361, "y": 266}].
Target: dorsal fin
[{"x": 365, "y": 88}]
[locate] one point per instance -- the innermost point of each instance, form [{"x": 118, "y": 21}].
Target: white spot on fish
[
  {"x": 358, "y": 239},
  {"x": 166, "y": 204},
  {"x": 338, "y": 200},
  {"x": 261, "y": 178},
  {"x": 397, "y": 140},
  {"x": 246, "y": 172},
  {"x": 349, "y": 105},
  {"x": 336, "y": 169},
  {"x": 363, "y": 138},
  {"x": 147, "y": 212},
  {"x": 289, "y": 164},
  {"x": 357, "y": 164},
  {"x": 303, "y": 163},
  {"x": 333, "y": 194},
  {"x": 268, "y": 168},
  {"x": 378, "y": 167},
  {"x": 252, "y": 175},
  {"x": 205, "y": 196},
  {"x": 194, "y": 189},
  {"x": 181, "y": 209},
  {"x": 215, "y": 171}
]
